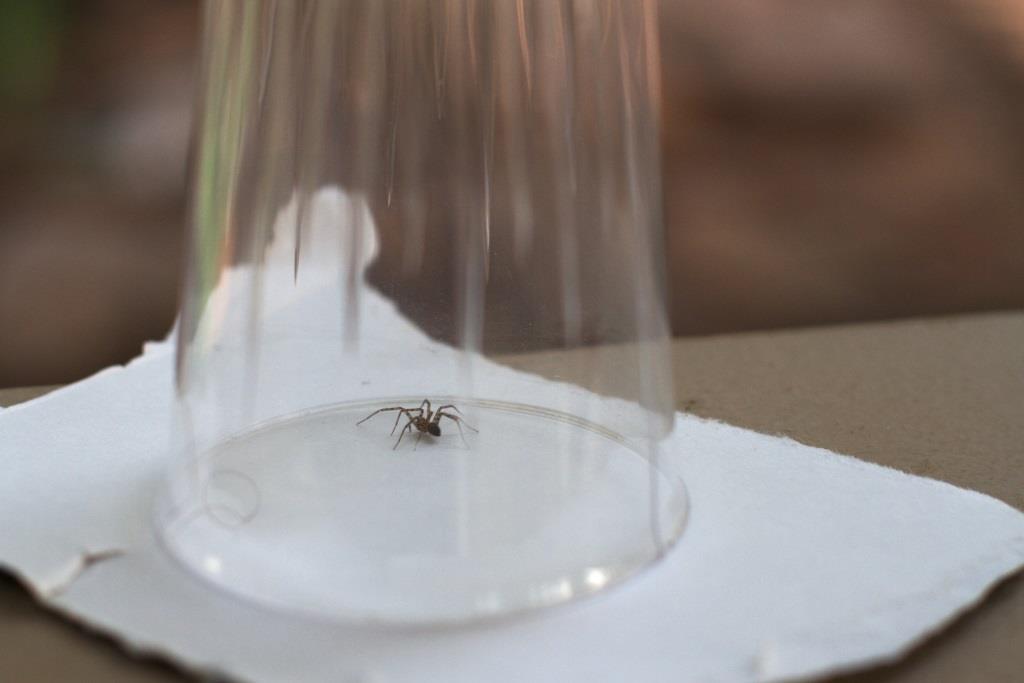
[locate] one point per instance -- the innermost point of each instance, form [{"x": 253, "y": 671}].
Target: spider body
[{"x": 423, "y": 419}]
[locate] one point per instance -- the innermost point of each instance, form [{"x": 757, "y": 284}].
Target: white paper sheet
[{"x": 796, "y": 561}]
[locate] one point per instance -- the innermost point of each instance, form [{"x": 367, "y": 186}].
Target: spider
[{"x": 425, "y": 420}]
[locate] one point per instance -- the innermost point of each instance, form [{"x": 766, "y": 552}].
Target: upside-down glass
[{"x": 422, "y": 358}]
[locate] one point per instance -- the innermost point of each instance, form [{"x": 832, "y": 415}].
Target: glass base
[{"x": 319, "y": 515}]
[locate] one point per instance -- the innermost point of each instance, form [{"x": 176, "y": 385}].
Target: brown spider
[{"x": 425, "y": 420}]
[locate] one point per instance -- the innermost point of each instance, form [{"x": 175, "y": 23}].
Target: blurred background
[{"x": 824, "y": 161}]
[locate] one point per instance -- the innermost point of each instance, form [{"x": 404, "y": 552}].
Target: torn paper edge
[{"x": 969, "y": 586}]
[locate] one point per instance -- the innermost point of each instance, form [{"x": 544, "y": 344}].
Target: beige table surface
[{"x": 942, "y": 398}]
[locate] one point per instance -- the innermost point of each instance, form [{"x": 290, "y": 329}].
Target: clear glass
[{"x": 422, "y": 371}]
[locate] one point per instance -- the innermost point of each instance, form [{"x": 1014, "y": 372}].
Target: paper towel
[{"x": 796, "y": 561}]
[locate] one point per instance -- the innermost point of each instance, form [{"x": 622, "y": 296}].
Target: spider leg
[
  {"x": 426, "y": 402},
  {"x": 453, "y": 407},
  {"x": 408, "y": 413},
  {"x": 407, "y": 428},
  {"x": 382, "y": 410},
  {"x": 419, "y": 435},
  {"x": 458, "y": 423},
  {"x": 450, "y": 416}
]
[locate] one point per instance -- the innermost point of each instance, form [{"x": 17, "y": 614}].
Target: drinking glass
[{"x": 422, "y": 372}]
